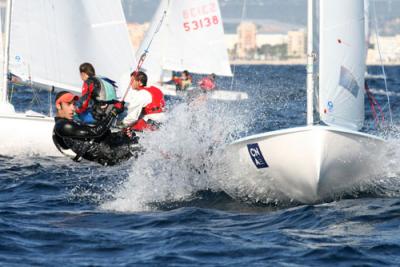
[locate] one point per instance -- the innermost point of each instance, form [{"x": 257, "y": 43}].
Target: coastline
[
  {"x": 269, "y": 62},
  {"x": 296, "y": 62}
]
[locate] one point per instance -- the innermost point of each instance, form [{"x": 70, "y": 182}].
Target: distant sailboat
[
  {"x": 190, "y": 37},
  {"x": 46, "y": 41},
  {"x": 328, "y": 155}
]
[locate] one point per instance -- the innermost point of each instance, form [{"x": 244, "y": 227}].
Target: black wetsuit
[{"x": 95, "y": 143}]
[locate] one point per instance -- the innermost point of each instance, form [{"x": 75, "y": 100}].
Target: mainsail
[
  {"x": 51, "y": 38},
  {"x": 341, "y": 65},
  {"x": 191, "y": 37},
  {"x": 1, "y": 58},
  {"x": 367, "y": 23}
]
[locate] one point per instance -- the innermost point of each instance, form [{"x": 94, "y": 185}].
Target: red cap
[{"x": 65, "y": 97}]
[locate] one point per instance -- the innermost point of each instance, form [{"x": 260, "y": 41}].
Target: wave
[
  {"x": 180, "y": 158},
  {"x": 384, "y": 92},
  {"x": 370, "y": 76}
]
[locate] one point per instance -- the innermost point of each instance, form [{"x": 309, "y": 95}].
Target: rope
[
  {"x": 146, "y": 51},
  {"x": 373, "y": 103},
  {"x": 12, "y": 92},
  {"x": 241, "y": 19},
  {"x": 51, "y": 102},
  {"x": 35, "y": 93},
  {"x": 382, "y": 66}
]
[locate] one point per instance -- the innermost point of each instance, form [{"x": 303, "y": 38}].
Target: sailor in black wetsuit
[{"x": 95, "y": 143}]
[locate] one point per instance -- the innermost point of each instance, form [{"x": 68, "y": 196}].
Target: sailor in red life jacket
[
  {"x": 145, "y": 105},
  {"x": 208, "y": 83}
]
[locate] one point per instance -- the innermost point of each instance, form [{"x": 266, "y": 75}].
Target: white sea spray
[{"x": 180, "y": 159}]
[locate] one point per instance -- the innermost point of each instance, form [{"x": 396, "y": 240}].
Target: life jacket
[
  {"x": 207, "y": 84},
  {"x": 157, "y": 105},
  {"x": 157, "y": 101},
  {"x": 91, "y": 109},
  {"x": 108, "y": 89}
]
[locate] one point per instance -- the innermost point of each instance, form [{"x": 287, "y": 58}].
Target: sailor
[
  {"x": 208, "y": 83},
  {"x": 184, "y": 81},
  {"x": 199, "y": 97},
  {"x": 98, "y": 95},
  {"x": 145, "y": 105},
  {"x": 94, "y": 143}
]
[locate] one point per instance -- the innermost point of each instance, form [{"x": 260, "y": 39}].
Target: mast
[
  {"x": 310, "y": 63},
  {"x": 6, "y": 51}
]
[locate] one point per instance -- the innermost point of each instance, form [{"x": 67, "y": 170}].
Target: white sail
[
  {"x": 367, "y": 25},
  {"x": 157, "y": 35},
  {"x": 51, "y": 38},
  {"x": 342, "y": 66},
  {"x": 191, "y": 37},
  {"x": 1, "y": 55}
]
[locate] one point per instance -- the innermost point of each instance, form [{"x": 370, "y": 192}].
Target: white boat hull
[
  {"x": 224, "y": 95},
  {"x": 307, "y": 163},
  {"x": 26, "y": 134}
]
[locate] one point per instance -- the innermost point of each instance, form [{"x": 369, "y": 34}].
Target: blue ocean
[{"x": 170, "y": 207}]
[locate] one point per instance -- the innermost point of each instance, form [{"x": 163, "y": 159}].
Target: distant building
[
  {"x": 247, "y": 43},
  {"x": 391, "y": 27},
  {"x": 297, "y": 44},
  {"x": 271, "y": 39},
  {"x": 230, "y": 41},
  {"x": 389, "y": 50},
  {"x": 137, "y": 32}
]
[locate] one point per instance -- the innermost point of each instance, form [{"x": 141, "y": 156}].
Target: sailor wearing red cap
[{"x": 95, "y": 143}]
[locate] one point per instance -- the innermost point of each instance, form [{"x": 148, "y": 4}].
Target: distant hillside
[
  {"x": 287, "y": 13},
  {"x": 391, "y": 27},
  {"x": 290, "y": 11}
]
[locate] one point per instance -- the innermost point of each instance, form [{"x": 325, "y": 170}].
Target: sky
[{"x": 286, "y": 11}]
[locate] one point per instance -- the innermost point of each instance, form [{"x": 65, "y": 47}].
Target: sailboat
[
  {"x": 45, "y": 42},
  {"x": 329, "y": 155},
  {"x": 186, "y": 35}
]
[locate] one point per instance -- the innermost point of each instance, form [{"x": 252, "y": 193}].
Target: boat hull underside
[{"x": 305, "y": 164}]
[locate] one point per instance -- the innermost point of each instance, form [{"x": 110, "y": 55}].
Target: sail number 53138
[{"x": 195, "y": 25}]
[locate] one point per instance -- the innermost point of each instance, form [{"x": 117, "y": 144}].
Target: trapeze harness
[
  {"x": 64, "y": 149},
  {"x": 157, "y": 105},
  {"x": 76, "y": 141}
]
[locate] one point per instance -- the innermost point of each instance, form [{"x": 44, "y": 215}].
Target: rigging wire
[
  {"x": 35, "y": 97},
  {"x": 382, "y": 66},
  {"x": 146, "y": 51},
  {"x": 12, "y": 92},
  {"x": 241, "y": 19},
  {"x": 51, "y": 101}
]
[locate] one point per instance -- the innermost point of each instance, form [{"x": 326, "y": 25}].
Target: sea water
[{"x": 169, "y": 207}]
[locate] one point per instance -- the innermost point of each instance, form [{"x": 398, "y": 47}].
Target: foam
[{"x": 180, "y": 159}]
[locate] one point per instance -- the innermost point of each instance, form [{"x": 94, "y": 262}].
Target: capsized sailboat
[
  {"x": 46, "y": 41},
  {"x": 329, "y": 155},
  {"x": 187, "y": 35}
]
